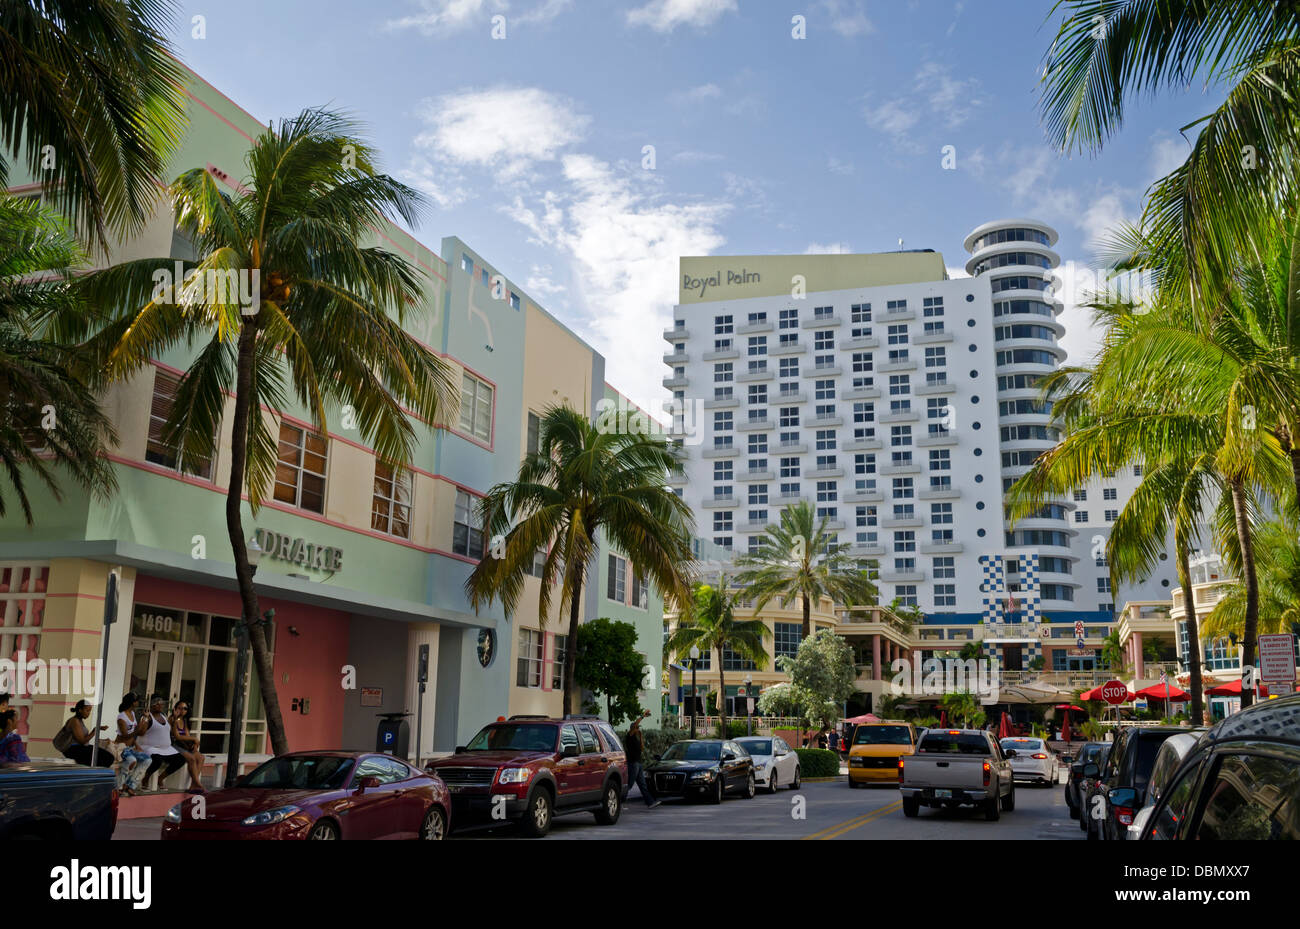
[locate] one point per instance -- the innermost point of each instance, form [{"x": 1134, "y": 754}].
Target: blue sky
[{"x": 531, "y": 147}]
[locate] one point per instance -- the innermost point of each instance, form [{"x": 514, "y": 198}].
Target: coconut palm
[
  {"x": 52, "y": 422},
  {"x": 1277, "y": 549},
  {"x": 799, "y": 557},
  {"x": 92, "y": 104},
  {"x": 326, "y": 330},
  {"x": 583, "y": 482},
  {"x": 710, "y": 624},
  {"x": 1241, "y": 164}
]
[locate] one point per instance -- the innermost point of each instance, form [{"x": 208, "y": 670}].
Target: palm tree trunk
[
  {"x": 807, "y": 617},
  {"x": 722, "y": 693},
  {"x": 1193, "y": 634},
  {"x": 570, "y": 651},
  {"x": 235, "y": 529},
  {"x": 1251, "y": 582},
  {"x": 1294, "y": 454}
]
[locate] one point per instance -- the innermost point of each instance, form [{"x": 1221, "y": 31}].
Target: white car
[
  {"x": 1168, "y": 759},
  {"x": 1033, "y": 760},
  {"x": 775, "y": 765}
]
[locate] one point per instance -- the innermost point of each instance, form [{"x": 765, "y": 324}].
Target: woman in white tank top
[{"x": 130, "y": 770}]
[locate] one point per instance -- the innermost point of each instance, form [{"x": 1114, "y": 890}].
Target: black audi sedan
[{"x": 706, "y": 768}]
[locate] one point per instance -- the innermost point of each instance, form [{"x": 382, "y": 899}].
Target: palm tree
[
  {"x": 711, "y": 625},
  {"x": 799, "y": 558},
  {"x": 583, "y": 481},
  {"x": 328, "y": 326},
  {"x": 1277, "y": 547},
  {"x": 91, "y": 102},
  {"x": 52, "y": 420},
  {"x": 1242, "y": 162}
]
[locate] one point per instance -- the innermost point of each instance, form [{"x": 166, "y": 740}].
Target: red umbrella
[
  {"x": 1065, "y": 728},
  {"x": 1230, "y": 689},
  {"x": 1004, "y": 726},
  {"x": 1068, "y": 706},
  {"x": 865, "y": 718},
  {"x": 1164, "y": 691},
  {"x": 943, "y": 719}
]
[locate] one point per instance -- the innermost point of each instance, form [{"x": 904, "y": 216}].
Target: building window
[
  {"x": 1080, "y": 516},
  {"x": 786, "y": 638},
  {"x": 534, "y": 433},
  {"x": 640, "y": 591},
  {"x": 1108, "y": 493},
  {"x": 514, "y": 301},
  {"x": 557, "y": 663},
  {"x": 1112, "y": 515},
  {"x": 466, "y": 533},
  {"x": 722, "y": 325},
  {"x": 906, "y": 594},
  {"x": 390, "y": 508},
  {"x": 1080, "y": 496},
  {"x": 476, "y": 407},
  {"x": 945, "y": 595},
  {"x": 158, "y": 451},
  {"x": 528, "y": 670},
  {"x": 616, "y": 583},
  {"x": 300, "y": 472},
  {"x": 467, "y": 264}
]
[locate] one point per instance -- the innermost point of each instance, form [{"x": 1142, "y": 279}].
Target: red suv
[{"x": 530, "y": 769}]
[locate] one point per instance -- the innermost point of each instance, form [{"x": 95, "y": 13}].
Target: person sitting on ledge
[{"x": 155, "y": 739}]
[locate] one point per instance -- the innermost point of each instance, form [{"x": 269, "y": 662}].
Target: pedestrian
[
  {"x": 156, "y": 740},
  {"x": 187, "y": 743},
  {"x": 11, "y": 743},
  {"x": 832, "y": 741},
  {"x": 822, "y": 738},
  {"x": 131, "y": 768},
  {"x": 76, "y": 741},
  {"x": 634, "y": 746}
]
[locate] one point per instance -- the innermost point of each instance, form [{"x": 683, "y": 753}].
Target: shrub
[
  {"x": 735, "y": 730},
  {"x": 818, "y": 762}
]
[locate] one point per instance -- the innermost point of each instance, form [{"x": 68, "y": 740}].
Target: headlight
[
  {"x": 514, "y": 775},
  {"x": 857, "y": 762},
  {"x": 269, "y": 817},
  {"x": 704, "y": 775},
  {"x": 174, "y": 814}
]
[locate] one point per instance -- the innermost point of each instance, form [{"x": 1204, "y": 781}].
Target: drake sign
[{"x": 298, "y": 551}]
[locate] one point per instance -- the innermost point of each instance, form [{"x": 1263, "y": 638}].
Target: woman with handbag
[{"x": 76, "y": 741}]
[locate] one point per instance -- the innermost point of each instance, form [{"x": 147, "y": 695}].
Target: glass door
[{"x": 155, "y": 669}]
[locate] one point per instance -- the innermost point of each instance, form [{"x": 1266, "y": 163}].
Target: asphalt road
[{"x": 818, "y": 811}]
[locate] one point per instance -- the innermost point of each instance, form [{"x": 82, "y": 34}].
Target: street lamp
[
  {"x": 749, "y": 716},
  {"x": 695, "y": 658}
]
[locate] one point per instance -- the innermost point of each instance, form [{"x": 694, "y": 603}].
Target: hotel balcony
[
  {"x": 825, "y": 421},
  {"x": 941, "y": 548},
  {"x": 755, "y": 425},
  {"x": 823, "y": 474},
  {"x": 788, "y": 348},
  {"x": 861, "y": 445},
  {"x": 790, "y": 396},
  {"x": 823, "y": 371},
  {"x": 762, "y": 374},
  {"x": 822, "y": 322},
  {"x": 753, "y": 328},
  {"x": 896, "y": 316},
  {"x": 932, "y": 338},
  {"x": 893, "y": 367},
  {"x": 860, "y": 393},
  {"x": 864, "y": 496},
  {"x": 750, "y": 476},
  {"x": 721, "y": 354},
  {"x": 676, "y": 382},
  {"x": 676, "y": 335},
  {"x": 935, "y": 493},
  {"x": 936, "y": 387},
  {"x": 677, "y": 358},
  {"x": 861, "y": 343}
]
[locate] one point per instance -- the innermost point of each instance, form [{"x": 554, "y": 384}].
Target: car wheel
[
  {"x": 1009, "y": 801},
  {"x": 771, "y": 782},
  {"x": 1092, "y": 834},
  {"x": 434, "y": 826},
  {"x": 911, "y": 806},
  {"x": 749, "y": 787},
  {"x": 716, "y": 796},
  {"x": 537, "y": 818},
  {"x": 1074, "y": 812},
  {"x": 794, "y": 785},
  {"x": 324, "y": 830},
  {"x": 609, "y": 811},
  {"x": 853, "y": 785},
  {"x": 991, "y": 812}
]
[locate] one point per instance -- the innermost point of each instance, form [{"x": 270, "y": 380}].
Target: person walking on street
[{"x": 634, "y": 746}]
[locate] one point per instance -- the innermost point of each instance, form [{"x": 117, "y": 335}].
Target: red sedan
[{"x": 319, "y": 795}]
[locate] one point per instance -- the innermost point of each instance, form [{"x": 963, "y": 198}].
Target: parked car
[
  {"x": 1240, "y": 781},
  {"x": 50, "y": 800},
  {"x": 1119, "y": 788},
  {"x": 530, "y": 769},
  {"x": 1168, "y": 760},
  {"x": 319, "y": 795},
  {"x": 954, "y": 767},
  {"x": 1033, "y": 760},
  {"x": 774, "y": 762},
  {"x": 708, "y": 768},
  {"x": 1090, "y": 751},
  {"x": 873, "y": 757}
]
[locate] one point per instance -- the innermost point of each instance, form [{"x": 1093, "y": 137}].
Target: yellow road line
[{"x": 841, "y": 828}]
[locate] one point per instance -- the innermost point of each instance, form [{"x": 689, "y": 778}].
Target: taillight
[
  {"x": 1124, "y": 815},
  {"x": 988, "y": 773},
  {"x": 1039, "y": 755},
  {"x": 900, "y": 769}
]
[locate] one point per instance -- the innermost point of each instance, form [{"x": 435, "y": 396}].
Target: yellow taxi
[{"x": 876, "y": 748}]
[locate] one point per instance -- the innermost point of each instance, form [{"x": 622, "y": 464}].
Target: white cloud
[
  {"x": 956, "y": 272},
  {"x": 547, "y": 11},
  {"x": 444, "y": 186},
  {"x": 828, "y": 248},
  {"x": 540, "y": 283},
  {"x": 504, "y": 129},
  {"x": 938, "y": 98},
  {"x": 703, "y": 92},
  {"x": 848, "y": 19},
  {"x": 893, "y": 116},
  {"x": 444, "y": 17},
  {"x": 667, "y": 15},
  {"x": 1167, "y": 153},
  {"x": 836, "y": 166},
  {"x": 692, "y": 157}
]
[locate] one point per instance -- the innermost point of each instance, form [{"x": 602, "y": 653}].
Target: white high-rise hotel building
[{"x": 901, "y": 403}]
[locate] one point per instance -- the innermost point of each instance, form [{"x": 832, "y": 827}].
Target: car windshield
[
  {"x": 948, "y": 743},
  {"x": 882, "y": 735},
  {"x": 757, "y": 746},
  {"x": 693, "y": 751},
  {"x": 514, "y": 737},
  {"x": 1023, "y": 745},
  {"x": 302, "y": 772}
]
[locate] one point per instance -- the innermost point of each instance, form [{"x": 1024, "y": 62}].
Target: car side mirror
[
  {"x": 729, "y": 756},
  {"x": 460, "y": 749},
  {"x": 1091, "y": 770},
  {"x": 570, "y": 751},
  {"x": 1122, "y": 796},
  {"x": 1076, "y": 768},
  {"x": 780, "y": 752},
  {"x": 1010, "y": 753},
  {"x": 367, "y": 783}
]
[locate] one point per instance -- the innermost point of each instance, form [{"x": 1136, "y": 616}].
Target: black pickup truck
[{"x": 48, "y": 800}]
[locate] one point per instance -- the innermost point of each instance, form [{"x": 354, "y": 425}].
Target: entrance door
[
  {"x": 156, "y": 669},
  {"x": 1011, "y": 659}
]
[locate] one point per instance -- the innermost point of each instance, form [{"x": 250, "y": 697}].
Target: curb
[{"x": 820, "y": 780}]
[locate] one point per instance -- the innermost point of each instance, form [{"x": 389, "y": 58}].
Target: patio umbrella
[
  {"x": 1004, "y": 726},
  {"x": 1164, "y": 691},
  {"x": 943, "y": 719},
  {"x": 1065, "y": 728},
  {"x": 1068, "y": 706},
  {"x": 1230, "y": 689},
  {"x": 865, "y": 718}
]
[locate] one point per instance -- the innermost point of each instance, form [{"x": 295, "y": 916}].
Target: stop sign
[{"x": 1114, "y": 692}]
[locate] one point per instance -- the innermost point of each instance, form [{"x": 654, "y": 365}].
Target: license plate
[{"x": 943, "y": 794}]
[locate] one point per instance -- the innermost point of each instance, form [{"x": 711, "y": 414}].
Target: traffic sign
[
  {"x": 1114, "y": 692},
  {"x": 1277, "y": 658}
]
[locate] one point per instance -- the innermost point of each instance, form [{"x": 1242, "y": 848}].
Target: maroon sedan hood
[
  {"x": 236, "y": 803},
  {"x": 488, "y": 759}
]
